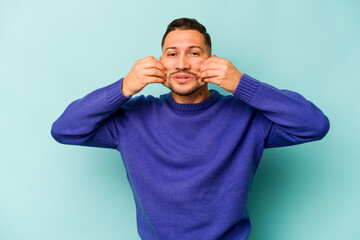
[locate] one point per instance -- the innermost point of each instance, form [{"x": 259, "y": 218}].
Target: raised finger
[
  {"x": 213, "y": 58},
  {"x": 209, "y": 73},
  {"x": 153, "y": 63},
  {"x": 153, "y": 79},
  {"x": 210, "y": 65},
  {"x": 154, "y": 72},
  {"x": 214, "y": 80}
]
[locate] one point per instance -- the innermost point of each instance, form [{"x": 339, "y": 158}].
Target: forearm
[
  {"x": 82, "y": 120},
  {"x": 294, "y": 119}
]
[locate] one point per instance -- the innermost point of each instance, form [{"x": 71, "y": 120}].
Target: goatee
[{"x": 187, "y": 92}]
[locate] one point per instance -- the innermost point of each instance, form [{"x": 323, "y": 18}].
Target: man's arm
[
  {"x": 289, "y": 117},
  {"x": 90, "y": 121},
  {"x": 87, "y": 121},
  {"x": 292, "y": 118}
]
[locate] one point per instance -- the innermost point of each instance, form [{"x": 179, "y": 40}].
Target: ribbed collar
[{"x": 193, "y": 107}]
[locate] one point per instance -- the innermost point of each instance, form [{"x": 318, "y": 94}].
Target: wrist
[
  {"x": 236, "y": 81},
  {"x": 124, "y": 89}
]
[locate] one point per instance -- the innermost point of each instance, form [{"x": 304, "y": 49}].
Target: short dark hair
[{"x": 188, "y": 24}]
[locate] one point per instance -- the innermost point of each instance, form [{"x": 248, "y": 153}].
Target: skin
[
  {"x": 185, "y": 67},
  {"x": 184, "y": 51}
]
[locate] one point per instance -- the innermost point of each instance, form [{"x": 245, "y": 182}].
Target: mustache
[{"x": 184, "y": 71}]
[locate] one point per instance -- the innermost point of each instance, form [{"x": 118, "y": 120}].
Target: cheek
[
  {"x": 166, "y": 63},
  {"x": 197, "y": 63}
]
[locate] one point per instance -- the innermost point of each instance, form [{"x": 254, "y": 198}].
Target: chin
[{"x": 182, "y": 91}]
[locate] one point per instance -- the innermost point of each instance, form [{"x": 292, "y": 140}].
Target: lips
[{"x": 182, "y": 77}]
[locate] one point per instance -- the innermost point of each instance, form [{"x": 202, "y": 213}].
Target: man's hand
[
  {"x": 221, "y": 72},
  {"x": 145, "y": 71}
]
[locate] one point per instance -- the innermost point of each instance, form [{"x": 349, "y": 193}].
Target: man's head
[
  {"x": 185, "y": 46},
  {"x": 188, "y": 24}
]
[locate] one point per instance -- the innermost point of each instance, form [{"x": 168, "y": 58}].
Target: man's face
[{"x": 183, "y": 53}]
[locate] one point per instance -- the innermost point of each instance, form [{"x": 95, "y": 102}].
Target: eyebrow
[{"x": 188, "y": 47}]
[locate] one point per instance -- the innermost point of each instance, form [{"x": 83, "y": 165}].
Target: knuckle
[
  {"x": 151, "y": 58},
  {"x": 146, "y": 59},
  {"x": 153, "y": 72}
]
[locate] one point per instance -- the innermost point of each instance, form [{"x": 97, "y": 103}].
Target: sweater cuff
[
  {"x": 246, "y": 88},
  {"x": 115, "y": 95}
]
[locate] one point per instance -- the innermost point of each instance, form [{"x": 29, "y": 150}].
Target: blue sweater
[{"x": 191, "y": 166}]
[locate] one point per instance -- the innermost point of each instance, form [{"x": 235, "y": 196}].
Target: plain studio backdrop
[{"x": 53, "y": 52}]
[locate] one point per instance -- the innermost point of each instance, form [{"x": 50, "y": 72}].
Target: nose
[{"x": 182, "y": 63}]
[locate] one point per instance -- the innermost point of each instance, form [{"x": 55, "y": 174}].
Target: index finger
[
  {"x": 154, "y": 63},
  {"x": 213, "y": 58},
  {"x": 210, "y": 63}
]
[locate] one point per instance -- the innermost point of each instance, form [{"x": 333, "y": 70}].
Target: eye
[
  {"x": 171, "y": 54},
  {"x": 194, "y": 53}
]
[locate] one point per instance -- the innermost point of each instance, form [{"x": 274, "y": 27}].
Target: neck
[{"x": 197, "y": 97}]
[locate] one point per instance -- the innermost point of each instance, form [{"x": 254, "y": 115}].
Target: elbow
[
  {"x": 322, "y": 127},
  {"x": 55, "y": 133},
  {"x": 58, "y": 134},
  {"x": 66, "y": 136}
]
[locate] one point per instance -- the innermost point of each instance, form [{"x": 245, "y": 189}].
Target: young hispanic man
[{"x": 190, "y": 155}]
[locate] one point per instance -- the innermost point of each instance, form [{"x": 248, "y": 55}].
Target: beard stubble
[{"x": 185, "y": 92}]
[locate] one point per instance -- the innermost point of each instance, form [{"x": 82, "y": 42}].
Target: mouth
[{"x": 182, "y": 77}]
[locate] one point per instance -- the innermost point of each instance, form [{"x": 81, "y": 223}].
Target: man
[{"x": 190, "y": 155}]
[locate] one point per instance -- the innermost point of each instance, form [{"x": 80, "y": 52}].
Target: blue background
[{"x": 53, "y": 52}]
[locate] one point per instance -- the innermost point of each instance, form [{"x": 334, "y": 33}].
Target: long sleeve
[
  {"x": 87, "y": 121},
  {"x": 286, "y": 118}
]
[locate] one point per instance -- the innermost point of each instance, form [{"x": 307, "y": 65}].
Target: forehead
[{"x": 184, "y": 38}]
